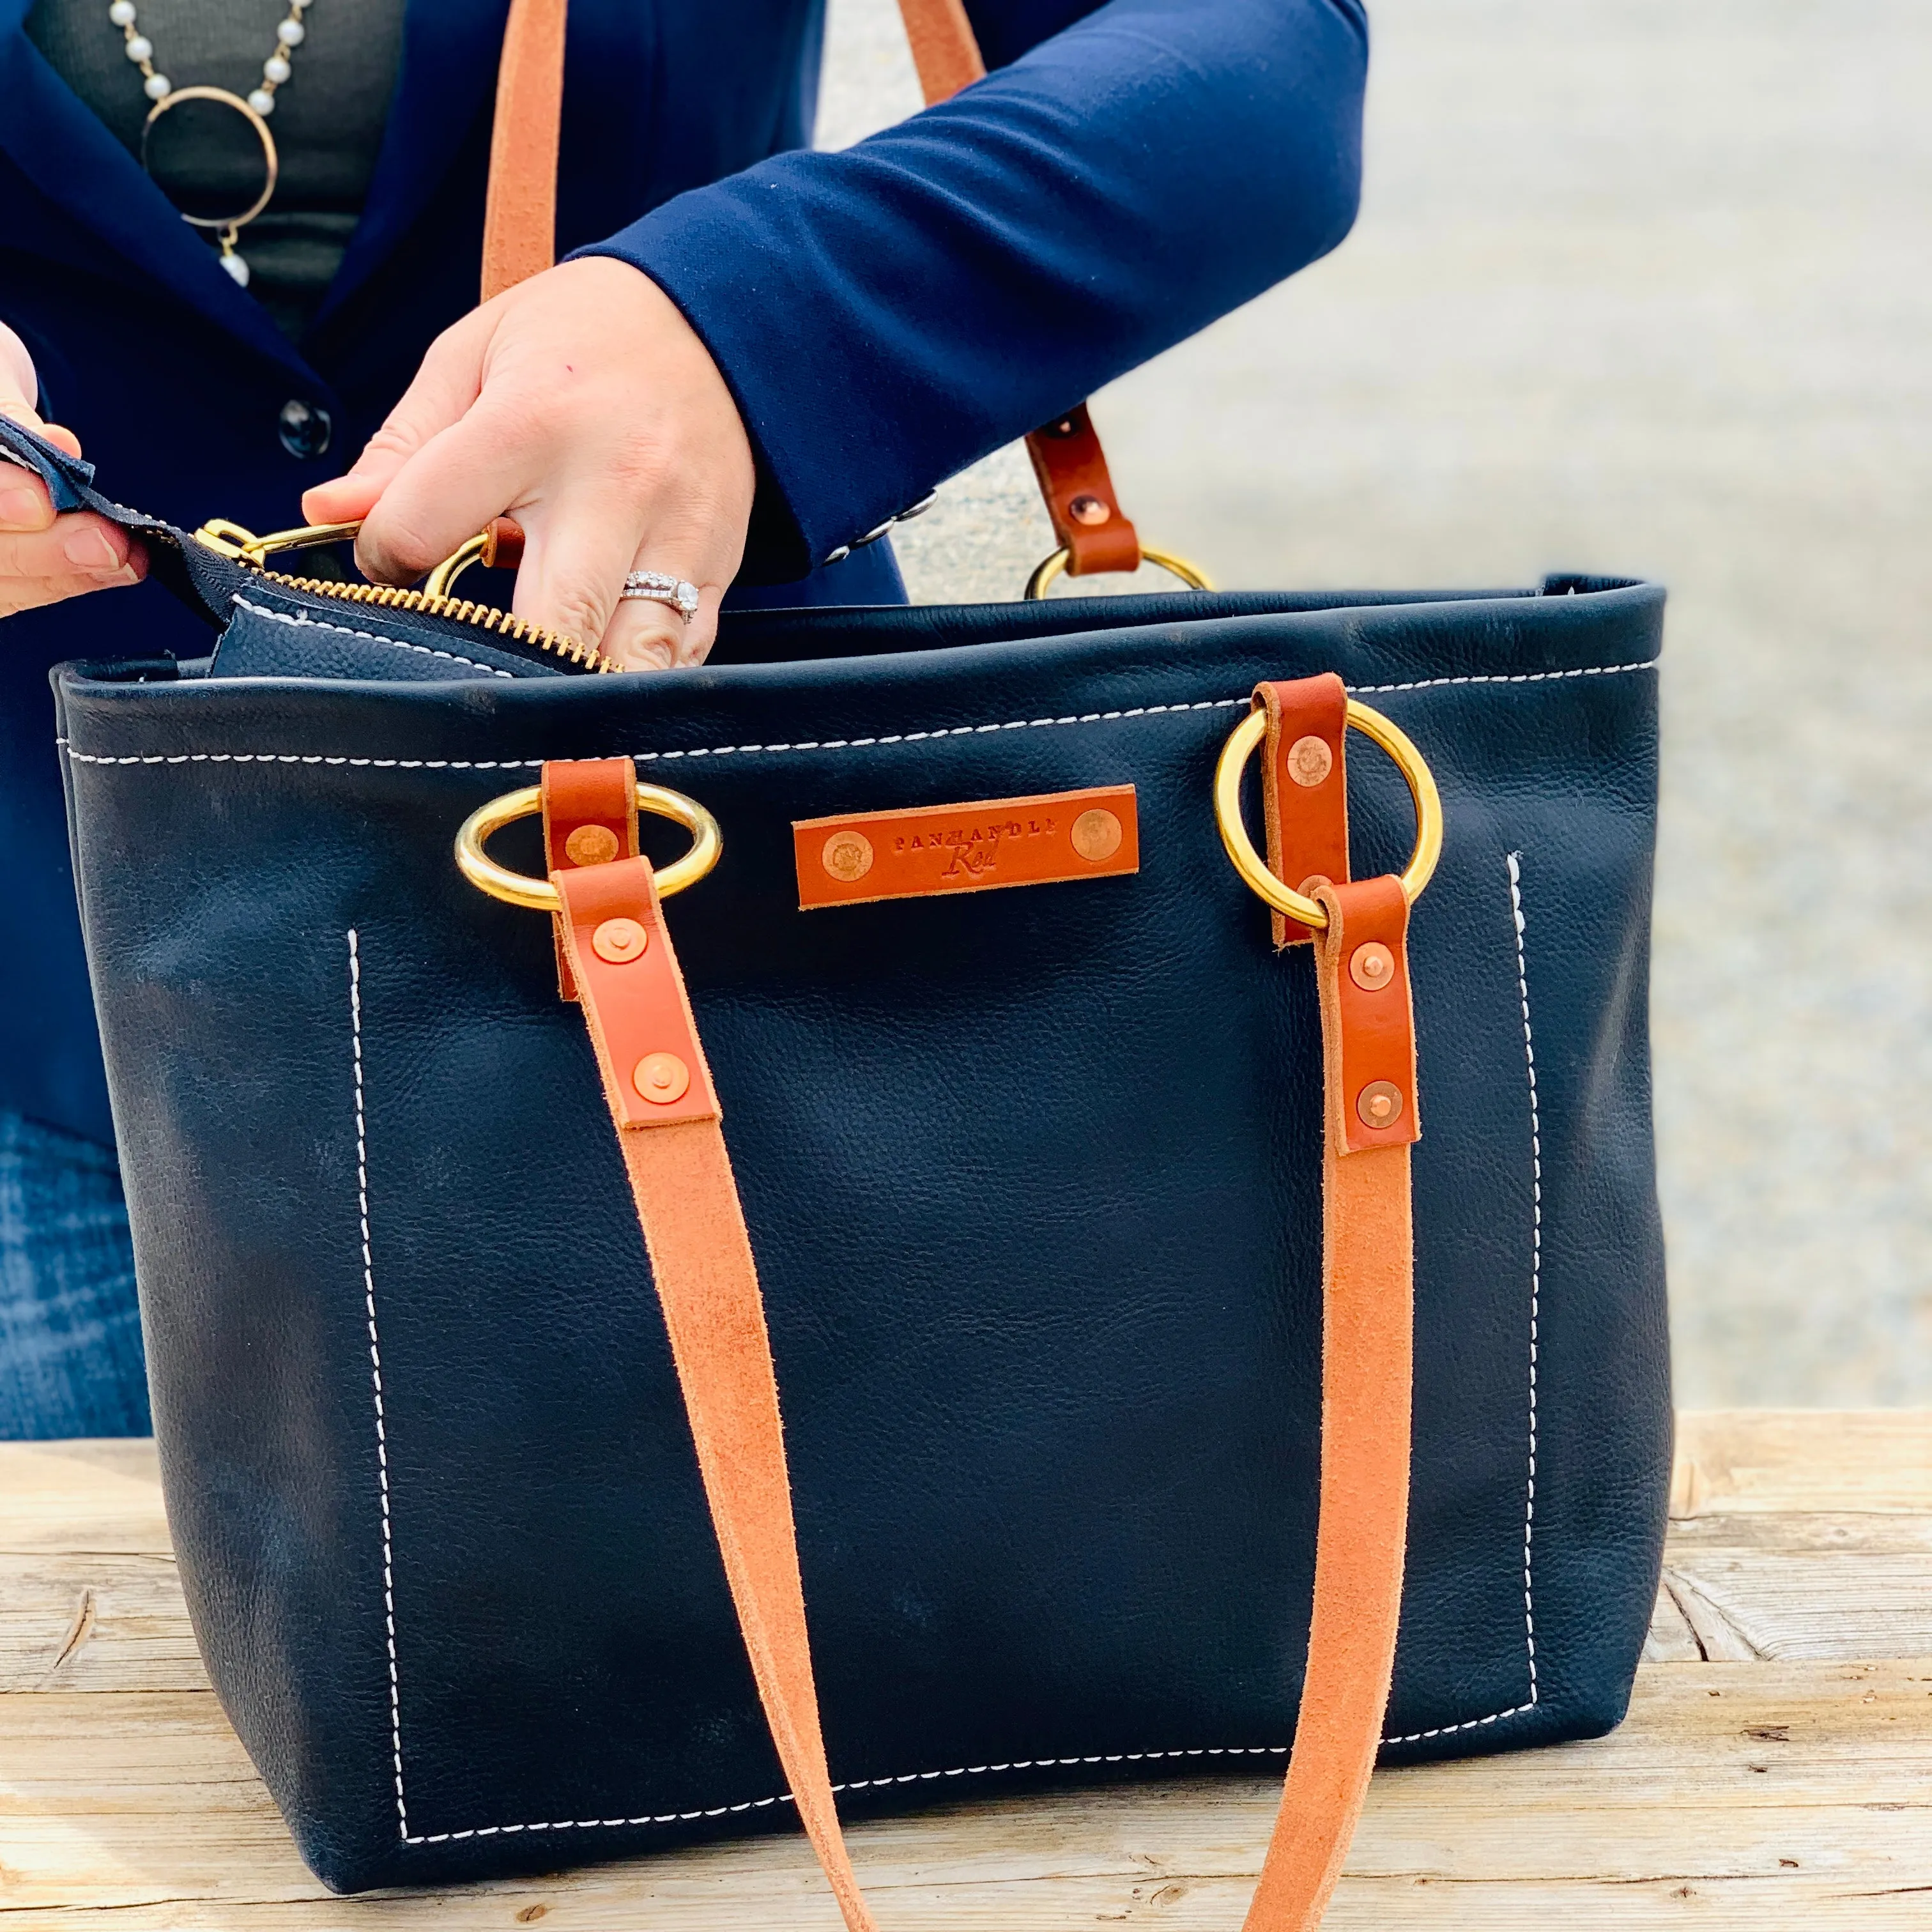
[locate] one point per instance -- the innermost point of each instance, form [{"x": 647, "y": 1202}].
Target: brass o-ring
[
  {"x": 1250, "y": 863},
  {"x": 707, "y": 845},
  {"x": 1049, "y": 568}
]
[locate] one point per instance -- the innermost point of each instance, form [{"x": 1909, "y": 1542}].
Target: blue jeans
[{"x": 70, "y": 1359}]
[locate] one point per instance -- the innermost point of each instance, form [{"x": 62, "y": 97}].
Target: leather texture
[
  {"x": 1034, "y": 1179},
  {"x": 884, "y": 315},
  {"x": 858, "y": 857},
  {"x": 1306, "y": 808}
]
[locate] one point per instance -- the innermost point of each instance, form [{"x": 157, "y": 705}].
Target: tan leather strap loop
[
  {"x": 1305, "y": 786},
  {"x": 520, "y": 238},
  {"x": 1071, "y": 468},
  {"x": 590, "y": 817}
]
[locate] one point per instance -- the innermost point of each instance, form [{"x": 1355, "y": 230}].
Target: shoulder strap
[
  {"x": 520, "y": 205},
  {"x": 520, "y": 238},
  {"x": 618, "y": 954}
]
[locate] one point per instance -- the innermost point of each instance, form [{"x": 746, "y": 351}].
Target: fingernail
[
  {"x": 22, "y": 509},
  {"x": 88, "y": 549}
]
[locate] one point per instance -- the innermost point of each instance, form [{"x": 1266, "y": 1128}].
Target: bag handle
[
  {"x": 520, "y": 240},
  {"x": 619, "y": 961}
]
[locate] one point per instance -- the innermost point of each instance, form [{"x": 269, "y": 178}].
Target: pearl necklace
[{"x": 260, "y": 103}]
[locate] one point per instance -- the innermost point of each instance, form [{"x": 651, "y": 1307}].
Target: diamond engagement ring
[{"x": 653, "y": 586}]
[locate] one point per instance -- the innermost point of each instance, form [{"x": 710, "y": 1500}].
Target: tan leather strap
[
  {"x": 1367, "y": 1331},
  {"x": 520, "y": 238},
  {"x": 944, "y": 48},
  {"x": 635, "y": 1006},
  {"x": 1068, "y": 462},
  {"x": 520, "y": 209},
  {"x": 687, "y": 1201}
]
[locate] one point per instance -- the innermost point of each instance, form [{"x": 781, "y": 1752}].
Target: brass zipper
[
  {"x": 483, "y": 616},
  {"x": 244, "y": 547}
]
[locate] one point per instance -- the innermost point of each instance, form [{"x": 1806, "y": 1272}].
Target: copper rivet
[
  {"x": 847, "y": 856},
  {"x": 662, "y": 1078},
  {"x": 591, "y": 845},
  {"x": 1096, "y": 835},
  {"x": 619, "y": 941},
  {"x": 1088, "y": 510},
  {"x": 1309, "y": 761},
  {"x": 1379, "y": 1104},
  {"x": 1371, "y": 967}
]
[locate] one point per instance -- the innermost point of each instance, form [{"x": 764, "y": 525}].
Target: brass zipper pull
[{"x": 502, "y": 543}]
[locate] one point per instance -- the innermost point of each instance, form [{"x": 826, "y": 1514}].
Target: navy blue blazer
[{"x": 885, "y": 316}]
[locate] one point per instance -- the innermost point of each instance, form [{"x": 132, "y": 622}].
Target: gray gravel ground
[{"x": 1637, "y": 286}]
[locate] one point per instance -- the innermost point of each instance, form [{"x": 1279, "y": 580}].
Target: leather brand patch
[{"x": 1040, "y": 841}]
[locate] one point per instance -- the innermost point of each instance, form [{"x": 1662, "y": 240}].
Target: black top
[{"x": 327, "y": 119}]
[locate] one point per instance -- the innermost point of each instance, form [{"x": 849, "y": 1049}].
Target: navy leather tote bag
[{"x": 1013, "y": 1278}]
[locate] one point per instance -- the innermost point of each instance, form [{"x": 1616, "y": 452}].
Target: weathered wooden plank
[
  {"x": 64, "y": 1497},
  {"x": 95, "y": 1623},
  {"x": 1748, "y": 1603},
  {"x": 1759, "y": 1795},
  {"x": 1816, "y": 1532},
  {"x": 1780, "y": 1462},
  {"x": 1671, "y": 1639}
]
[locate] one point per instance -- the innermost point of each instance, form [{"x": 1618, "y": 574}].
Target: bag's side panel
[{"x": 1032, "y": 1174}]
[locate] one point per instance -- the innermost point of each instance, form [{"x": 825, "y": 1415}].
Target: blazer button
[{"x": 304, "y": 428}]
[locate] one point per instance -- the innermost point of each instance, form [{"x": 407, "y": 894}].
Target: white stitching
[
  {"x": 858, "y": 1784},
  {"x": 1535, "y": 1263},
  {"x": 1516, "y": 677},
  {"x": 375, "y": 1379},
  {"x": 808, "y": 745},
  {"x": 1514, "y": 861},
  {"x": 307, "y": 623}
]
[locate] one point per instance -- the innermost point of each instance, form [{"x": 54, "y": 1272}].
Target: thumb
[
  {"x": 447, "y": 383},
  {"x": 20, "y": 390}
]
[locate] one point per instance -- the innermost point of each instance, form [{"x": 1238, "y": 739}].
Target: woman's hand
[
  {"x": 581, "y": 404},
  {"x": 44, "y": 558}
]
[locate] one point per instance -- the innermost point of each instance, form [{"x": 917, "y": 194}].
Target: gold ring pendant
[
  {"x": 228, "y": 224},
  {"x": 707, "y": 845},
  {"x": 1250, "y": 863}
]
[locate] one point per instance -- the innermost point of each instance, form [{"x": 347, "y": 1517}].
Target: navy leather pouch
[{"x": 1032, "y": 1176}]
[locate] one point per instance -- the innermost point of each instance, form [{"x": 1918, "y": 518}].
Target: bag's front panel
[{"x": 1033, "y": 1178}]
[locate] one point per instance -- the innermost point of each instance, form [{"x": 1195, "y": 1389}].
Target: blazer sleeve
[{"x": 889, "y": 313}]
